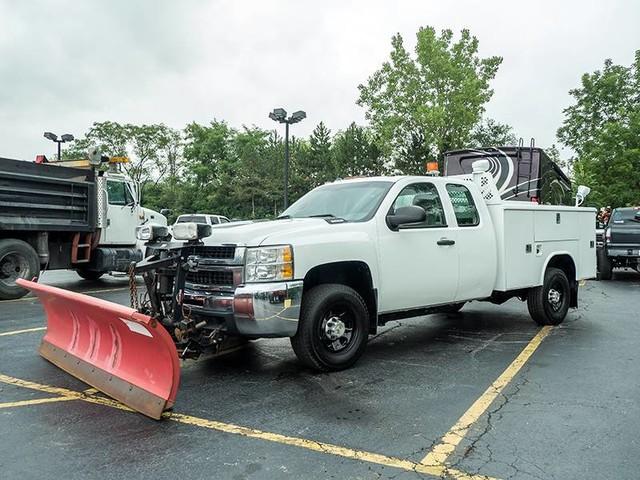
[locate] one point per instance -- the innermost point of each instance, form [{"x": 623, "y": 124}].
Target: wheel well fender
[
  {"x": 564, "y": 261},
  {"x": 355, "y": 274}
]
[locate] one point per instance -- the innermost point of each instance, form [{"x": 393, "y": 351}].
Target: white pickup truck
[{"x": 351, "y": 255}]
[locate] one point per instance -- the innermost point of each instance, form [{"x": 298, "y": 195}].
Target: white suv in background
[{"x": 204, "y": 218}]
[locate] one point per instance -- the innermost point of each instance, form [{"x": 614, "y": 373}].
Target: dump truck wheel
[
  {"x": 89, "y": 274},
  {"x": 18, "y": 259},
  {"x": 549, "y": 303},
  {"x": 605, "y": 268},
  {"x": 333, "y": 329}
]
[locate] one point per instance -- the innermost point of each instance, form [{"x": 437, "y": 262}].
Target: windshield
[
  {"x": 191, "y": 218},
  {"x": 352, "y": 201},
  {"x": 624, "y": 215}
]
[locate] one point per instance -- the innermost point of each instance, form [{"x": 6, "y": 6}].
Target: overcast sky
[{"x": 66, "y": 64}]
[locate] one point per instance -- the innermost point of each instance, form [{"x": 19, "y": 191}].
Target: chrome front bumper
[{"x": 252, "y": 310}]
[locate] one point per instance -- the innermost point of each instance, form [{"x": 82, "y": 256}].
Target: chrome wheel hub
[
  {"x": 555, "y": 298},
  {"x": 334, "y": 328}
]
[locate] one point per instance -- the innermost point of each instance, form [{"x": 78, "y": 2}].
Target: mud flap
[{"x": 119, "y": 351}]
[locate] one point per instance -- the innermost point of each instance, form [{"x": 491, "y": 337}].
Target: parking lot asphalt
[{"x": 518, "y": 401}]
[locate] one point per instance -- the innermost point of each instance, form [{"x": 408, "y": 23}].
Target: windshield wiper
[
  {"x": 283, "y": 217},
  {"x": 329, "y": 217}
]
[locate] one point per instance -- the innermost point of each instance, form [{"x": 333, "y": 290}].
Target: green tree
[
  {"x": 421, "y": 106},
  {"x": 602, "y": 127},
  {"x": 319, "y": 166},
  {"x": 355, "y": 153},
  {"x": 490, "y": 133},
  {"x": 209, "y": 157},
  {"x": 151, "y": 149}
]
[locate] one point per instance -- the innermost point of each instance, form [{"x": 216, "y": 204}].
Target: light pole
[
  {"x": 67, "y": 137},
  {"x": 280, "y": 115}
]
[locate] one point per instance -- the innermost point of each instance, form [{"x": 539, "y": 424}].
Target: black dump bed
[
  {"x": 41, "y": 197},
  {"x": 521, "y": 173},
  {"x": 625, "y": 227}
]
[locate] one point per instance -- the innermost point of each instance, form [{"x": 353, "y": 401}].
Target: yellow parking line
[
  {"x": 321, "y": 447},
  {"x": 35, "y": 401},
  {"x": 26, "y": 330},
  {"x": 441, "y": 452}
]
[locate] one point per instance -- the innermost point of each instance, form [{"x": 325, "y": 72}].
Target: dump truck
[
  {"x": 521, "y": 173},
  {"x": 67, "y": 215},
  {"x": 343, "y": 260}
]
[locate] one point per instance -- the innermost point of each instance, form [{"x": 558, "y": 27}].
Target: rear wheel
[
  {"x": 89, "y": 274},
  {"x": 333, "y": 329},
  {"x": 549, "y": 303},
  {"x": 605, "y": 267},
  {"x": 18, "y": 259}
]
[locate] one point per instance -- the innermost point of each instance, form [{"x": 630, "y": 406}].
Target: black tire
[
  {"x": 331, "y": 309},
  {"x": 453, "y": 308},
  {"x": 89, "y": 274},
  {"x": 605, "y": 267},
  {"x": 18, "y": 259},
  {"x": 549, "y": 304}
]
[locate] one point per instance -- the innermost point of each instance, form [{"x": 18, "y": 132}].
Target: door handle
[{"x": 446, "y": 241}]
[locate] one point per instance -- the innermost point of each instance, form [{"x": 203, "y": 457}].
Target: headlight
[
  {"x": 151, "y": 232},
  {"x": 191, "y": 231},
  {"x": 265, "y": 264}
]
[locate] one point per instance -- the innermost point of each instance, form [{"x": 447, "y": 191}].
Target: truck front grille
[
  {"x": 218, "y": 252},
  {"x": 210, "y": 278}
]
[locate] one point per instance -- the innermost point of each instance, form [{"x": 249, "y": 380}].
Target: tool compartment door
[{"x": 555, "y": 225}]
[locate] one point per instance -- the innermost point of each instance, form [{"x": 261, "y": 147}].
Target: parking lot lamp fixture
[
  {"x": 280, "y": 115},
  {"x": 67, "y": 137}
]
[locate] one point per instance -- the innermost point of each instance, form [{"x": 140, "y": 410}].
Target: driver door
[
  {"x": 418, "y": 262},
  {"x": 122, "y": 215}
]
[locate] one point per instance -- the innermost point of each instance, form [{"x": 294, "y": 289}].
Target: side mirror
[
  {"x": 405, "y": 215},
  {"x": 581, "y": 194},
  {"x": 165, "y": 211}
]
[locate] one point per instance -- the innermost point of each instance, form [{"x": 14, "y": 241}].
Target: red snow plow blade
[{"x": 114, "y": 348}]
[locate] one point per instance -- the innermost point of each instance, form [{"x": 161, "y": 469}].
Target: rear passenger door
[
  {"x": 418, "y": 262},
  {"x": 476, "y": 243}
]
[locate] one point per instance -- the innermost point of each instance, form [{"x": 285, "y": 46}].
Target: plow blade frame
[{"x": 116, "y": 349}]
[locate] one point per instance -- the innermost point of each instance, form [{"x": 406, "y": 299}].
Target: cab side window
[
  {"x": 118, "y": 193},
  {"x": 463, "y": 205},
  {"x": 425, "y": 196}
]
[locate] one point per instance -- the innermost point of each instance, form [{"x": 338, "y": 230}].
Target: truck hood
[{"x": 256, "y": 233}]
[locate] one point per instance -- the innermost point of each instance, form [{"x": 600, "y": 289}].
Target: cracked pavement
[{"x": 571, "y": 412}]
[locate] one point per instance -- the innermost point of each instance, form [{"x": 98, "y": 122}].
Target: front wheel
[
  {"x": 333, "y": 329},
  {"x": 18, "y": 259},
  {"x": 549, "y": 303}
]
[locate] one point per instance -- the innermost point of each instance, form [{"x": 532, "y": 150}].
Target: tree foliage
[
  {"x": 420, "y": 106},
  {"x": 153, "y": 150},
  {"x": 490, "y": 133},
  {"x": 215, "y": 168},
  {"x": 602, "y": 127}
]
